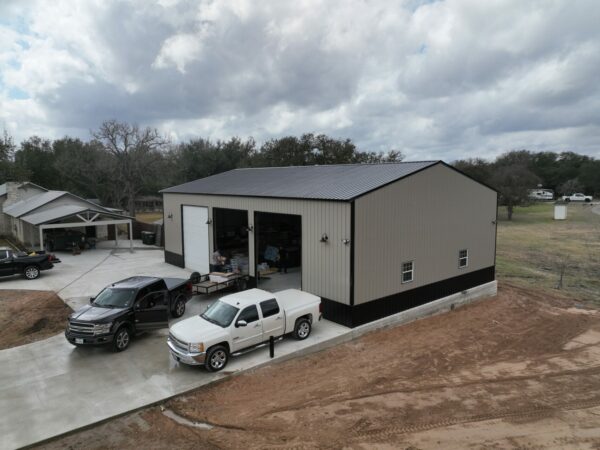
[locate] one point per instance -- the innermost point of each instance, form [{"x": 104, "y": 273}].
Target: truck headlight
[
  {"x": 196, "y": 348},
  {"x": 102, "y": 328}
]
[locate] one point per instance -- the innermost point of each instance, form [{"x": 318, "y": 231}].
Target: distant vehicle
[
  {"x": 66, "y": 240},
  {"x": 241, "y": 322},
  {"x": 541, "y": 194},
  {"x": 30, "y": 266},
  {"x": 577, "y": 198},
  {"x": 126, "y": 308}
]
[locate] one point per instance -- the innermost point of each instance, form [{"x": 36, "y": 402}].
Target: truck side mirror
[
  {"x": 241, "y": 323},
  {"x": 92, "y": 299}
]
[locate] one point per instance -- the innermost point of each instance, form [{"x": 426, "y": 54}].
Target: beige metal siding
[
  {"x": 325, "y": 266},
  {"x": 427, "y": 217}
]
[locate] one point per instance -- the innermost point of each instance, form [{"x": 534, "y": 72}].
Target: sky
[{"x": 434, "y": 79}]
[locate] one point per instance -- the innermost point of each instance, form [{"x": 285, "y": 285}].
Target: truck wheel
[
  {"x": 302, "y": 329},
  {"x": 567, "y": 200},
  {"x": 122, "y": 339},
  {"x": 587, "y": 200},
  {"x": 179, "y": 306},
  {"x": 216, "y": 358},
  {"x": 31, "y": 272}
]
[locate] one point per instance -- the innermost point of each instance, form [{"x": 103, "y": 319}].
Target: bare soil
[
  {"x": 29, "y": 316},
  {"x": 521, "y": 370}
]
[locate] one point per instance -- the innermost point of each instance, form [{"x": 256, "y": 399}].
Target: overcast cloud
[{"x": 448, "y": 79}]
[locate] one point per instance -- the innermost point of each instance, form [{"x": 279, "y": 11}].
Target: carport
[{"x": 76, "y": 216}]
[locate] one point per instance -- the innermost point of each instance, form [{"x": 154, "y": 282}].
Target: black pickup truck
[
  {"x": 126, "y": 308},
  {"x": 12, "y": 263}
]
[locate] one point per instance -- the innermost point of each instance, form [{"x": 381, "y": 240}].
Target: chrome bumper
[{"x": 192, "y": 359}]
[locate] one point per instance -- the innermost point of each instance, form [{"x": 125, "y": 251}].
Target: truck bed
[
  {"x": 174, "y": 283},
  {"x": 292, "y": 299}
]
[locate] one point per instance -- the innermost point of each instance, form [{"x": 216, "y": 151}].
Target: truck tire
[
  {"x": 31, "y": 272},
  {"x": 302, "y": 328},
  {"x": 178, "y": 306},
  {"x": 216, "y": 358},
  {"x": 567, "y": 200},
  {"x": 587, "y": 200},
  {"x": 122, "y": 339}
]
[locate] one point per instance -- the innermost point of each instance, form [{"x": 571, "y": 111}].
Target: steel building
[{"x": 370, "y": 239}]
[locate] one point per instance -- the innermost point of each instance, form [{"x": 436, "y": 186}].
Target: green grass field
[{"x": 533, "y": 247}]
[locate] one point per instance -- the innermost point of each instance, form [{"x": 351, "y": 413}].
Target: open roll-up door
[{"x": 195, "y": 238}]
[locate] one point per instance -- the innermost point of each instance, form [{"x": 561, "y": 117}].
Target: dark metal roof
[{"x": 330, "y": 182}]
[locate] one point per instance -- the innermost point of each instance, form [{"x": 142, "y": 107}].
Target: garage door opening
[
  {"x": 231, "y": 238},
  {"x": 278, "y": 244}
]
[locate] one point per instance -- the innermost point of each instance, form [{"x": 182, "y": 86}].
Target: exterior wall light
[
  {"x": 208, "y": 221},
  {"x": 170, "y": 216},
  {"x": 345, "y": 241},
  {"x": 324, "y": 237},
  {"x": 250, "y": 228}
]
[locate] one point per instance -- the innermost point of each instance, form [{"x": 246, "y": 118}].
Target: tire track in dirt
[
  {"x": 383, "y": 434},
  {"x": 482, "y": 382}
]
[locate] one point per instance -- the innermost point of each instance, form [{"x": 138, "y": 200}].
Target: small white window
[
  {"x": 463, "y": 258},
  {"x": 407, "y": 271}
]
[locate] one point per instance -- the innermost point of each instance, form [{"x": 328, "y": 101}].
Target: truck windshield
[
  {"x": 115, "y": 298},
  {"x": 220, "y": 313}
]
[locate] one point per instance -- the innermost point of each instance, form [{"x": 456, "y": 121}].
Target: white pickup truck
[
  {"x": 577, "y": 198},
  {"x": 241, "y": 322}
]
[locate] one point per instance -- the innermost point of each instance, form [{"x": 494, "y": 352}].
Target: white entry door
[{"x": 195, "y": 238}]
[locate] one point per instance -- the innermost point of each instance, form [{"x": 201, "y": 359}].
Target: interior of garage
[
  {"x": 231, "y": 237},
  {"x": 278, "y": 244}
]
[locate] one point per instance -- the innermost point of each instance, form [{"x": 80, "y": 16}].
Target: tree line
[
  {"x": 515, "y": 172},
  {"x": 122, "y": 161}
]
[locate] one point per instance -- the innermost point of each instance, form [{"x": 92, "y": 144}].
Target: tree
[
  {"x": 477, "y": 168},
  {"x": 8, "y": 170},
  {"x": 570, "y": 187},
  {"x": 135, "y": 154},
  {"x": 35, "y": 158},
  {"x": 513, "y": 182}
]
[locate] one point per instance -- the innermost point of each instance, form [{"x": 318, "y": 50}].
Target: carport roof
[
  {"x": 330, "y": 182},
  {"x": 63, "y": 211}
]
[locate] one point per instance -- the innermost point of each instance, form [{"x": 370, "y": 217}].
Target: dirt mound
[{"x": 29, "y": 316}]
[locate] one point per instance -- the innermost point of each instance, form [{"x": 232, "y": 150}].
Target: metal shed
[{"x": 374, "y": 239}]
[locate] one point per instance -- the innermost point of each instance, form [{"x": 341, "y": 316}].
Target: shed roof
[
  {"x": 330, "y": 182},
  {"x": 24, "y": 206}
]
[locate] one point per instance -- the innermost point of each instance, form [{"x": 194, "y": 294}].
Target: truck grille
[
  {"x": 177, "y": 343},
  {"x": 81, "y": 327}
]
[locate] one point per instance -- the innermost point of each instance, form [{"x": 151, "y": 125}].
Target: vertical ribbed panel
[
  {"x": 427, "y": 218},
  {"x": 325, "y": 266}
]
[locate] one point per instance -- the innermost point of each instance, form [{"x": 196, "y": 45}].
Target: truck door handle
[
  {"x": 257, "y": 325},
  {"x": 278, "y": 318}
]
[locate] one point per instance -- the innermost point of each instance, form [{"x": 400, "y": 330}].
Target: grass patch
[{"x": 533, "y": 247}]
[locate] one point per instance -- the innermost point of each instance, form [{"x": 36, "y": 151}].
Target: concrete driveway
[
  {"x": 50, "y": 387},
  {"x": 86, "y": 274}
]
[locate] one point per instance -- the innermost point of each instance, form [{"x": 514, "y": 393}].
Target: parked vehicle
[
  {"x": 29, "y": 265},
  {"x": 541, "y": 194},
  {"x": 241, "y": 322},
  {"x": 126, "y": 308},
  {"x": 66, "y": 240},
  {"x": 579, "y": 197}
]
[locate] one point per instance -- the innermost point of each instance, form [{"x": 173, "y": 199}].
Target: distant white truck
[
  {"x": 241, "y": 322},
  {"x": 577, "y": 198}
]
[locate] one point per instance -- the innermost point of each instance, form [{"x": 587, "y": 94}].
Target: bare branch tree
[{"x": 135, "y": 154}]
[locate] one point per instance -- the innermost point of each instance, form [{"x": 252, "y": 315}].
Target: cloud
[{"x": 446, "y": 79}]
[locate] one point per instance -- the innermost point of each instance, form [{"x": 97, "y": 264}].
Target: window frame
[
  {"x": 411, "y": 271},
  {"x": 244, "y": 310},
  {"x": 466, "y": 258},
  {"x": 262, "y": 311}
]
